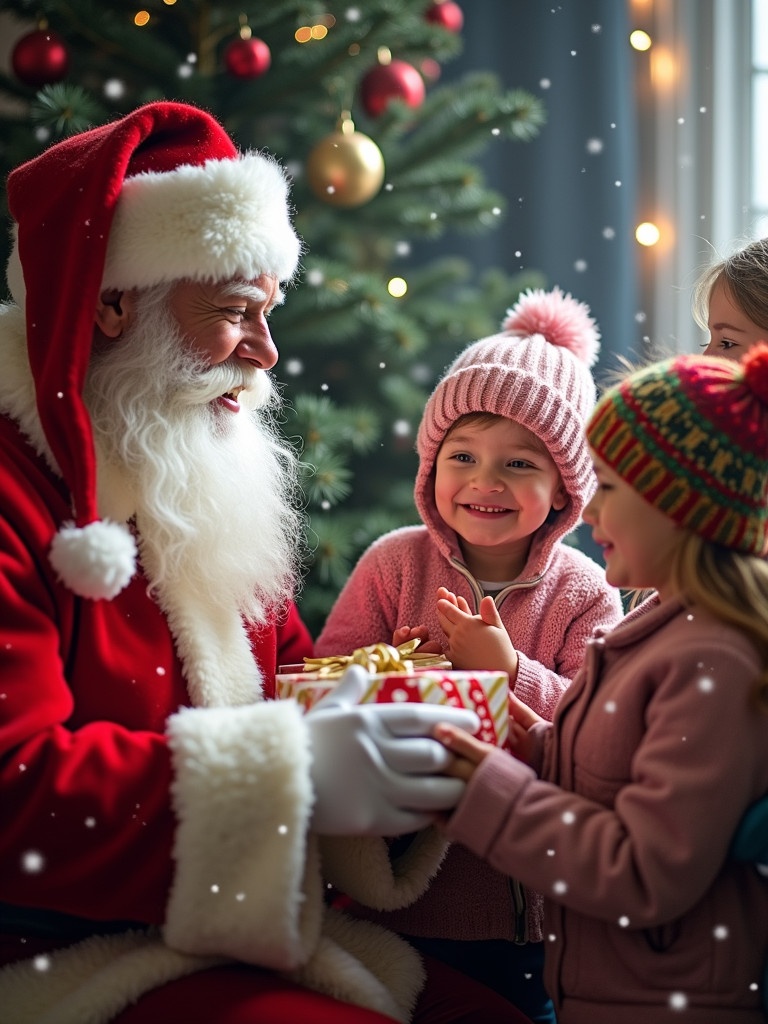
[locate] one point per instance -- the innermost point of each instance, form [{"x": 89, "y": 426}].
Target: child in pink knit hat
[{"x": 488, "y": 580}]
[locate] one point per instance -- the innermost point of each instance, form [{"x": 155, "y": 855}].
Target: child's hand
[
  {"x": 521, "y": 718},
  {"x": 444, "y": 594},
  {"x": 476, "y": 641},
  {"x": 522, "y": 714},
  {"x": 467, "y": 750},
  {"x": 405, "y": 633}
]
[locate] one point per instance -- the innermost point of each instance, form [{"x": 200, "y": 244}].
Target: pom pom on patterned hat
[
  {"x": 536, "y": 372},
  {"x": 690, "y": 435}
]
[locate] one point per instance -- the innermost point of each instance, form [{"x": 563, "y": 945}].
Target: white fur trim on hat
[
  {"x": 223, "y": 219},
  {"x": 96, "y": 560}
]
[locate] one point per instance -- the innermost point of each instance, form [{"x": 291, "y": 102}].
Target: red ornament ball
[
  {"x": 40, "y": 58},
  {"x": 385, "y": 82},
  {"x": 247, "y": 58},
  {"x": 446, "y": 13}
]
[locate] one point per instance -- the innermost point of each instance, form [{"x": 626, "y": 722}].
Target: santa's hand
[{"x": 375, "y": 767}]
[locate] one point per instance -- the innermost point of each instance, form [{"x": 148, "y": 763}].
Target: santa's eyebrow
[{"x": 246, "y": 292}]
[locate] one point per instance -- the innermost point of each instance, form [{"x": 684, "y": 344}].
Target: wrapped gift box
[{"x": 486, "y": 693}]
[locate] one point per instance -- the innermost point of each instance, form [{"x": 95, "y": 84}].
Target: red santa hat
[{"x": 160, "y": 195}]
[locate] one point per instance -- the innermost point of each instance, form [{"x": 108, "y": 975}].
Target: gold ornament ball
[{"x": 345, "y": 168}]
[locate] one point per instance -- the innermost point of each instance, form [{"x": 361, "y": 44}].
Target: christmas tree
[{"x": 383, "y": 156}]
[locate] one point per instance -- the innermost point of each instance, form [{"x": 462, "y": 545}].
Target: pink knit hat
[
  {"x": 536, "y": 372},
  {"x": 159, "y": 195}
]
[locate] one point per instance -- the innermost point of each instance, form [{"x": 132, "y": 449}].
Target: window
[{"x": 703, "y": 175}]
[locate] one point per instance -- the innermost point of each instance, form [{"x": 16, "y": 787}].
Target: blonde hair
[
  {"x": 733, "y": 587},
  {"x": 745, "y": 276}
]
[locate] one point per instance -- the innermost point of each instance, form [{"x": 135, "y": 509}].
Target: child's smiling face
[{"x": 495, "y": 485}]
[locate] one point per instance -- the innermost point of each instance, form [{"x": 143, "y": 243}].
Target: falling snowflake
[
  {"x": 568, "y": 817},
  {"x": 594, "y": 146},
  {"x": 706, "y": 684},
  {"x": 114, "y": 89},
  {"x": 678, "y": 1001},
  {"x": 623, "y": 921},
  {"x": 32, "y": 862}
]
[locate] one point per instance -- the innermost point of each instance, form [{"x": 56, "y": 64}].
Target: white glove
[{"x": 374, "y": 766}]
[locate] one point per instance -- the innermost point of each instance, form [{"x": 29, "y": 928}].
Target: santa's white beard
[{"x": 214, "y": 494}]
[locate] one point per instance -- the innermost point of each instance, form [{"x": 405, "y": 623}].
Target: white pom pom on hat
[
  {"x": 100, "y": 558},
  {"x": 535, "y": 372},
  {"x": 159, "y": 195}
]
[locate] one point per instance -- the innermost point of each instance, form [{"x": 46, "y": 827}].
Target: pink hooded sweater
[{"x": 550, "y": 610}]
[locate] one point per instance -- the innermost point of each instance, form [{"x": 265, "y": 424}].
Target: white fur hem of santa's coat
[
  {"x": 364, "y": 963},
  {"x": 93, "y": 981},
  {"x": 363, "y": 869},
  {"x": 247, "y": 881}
]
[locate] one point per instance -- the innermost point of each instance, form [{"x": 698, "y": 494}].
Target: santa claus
[{"x": 159, "y": 856}]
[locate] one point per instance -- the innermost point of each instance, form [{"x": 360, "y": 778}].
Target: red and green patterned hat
[{"x": 690, "y": 435}]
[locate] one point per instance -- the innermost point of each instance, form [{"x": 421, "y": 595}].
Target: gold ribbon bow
[{"x": 376, "y": 658}]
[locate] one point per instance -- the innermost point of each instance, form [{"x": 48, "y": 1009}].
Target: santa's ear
[{"x": 114, "y": 311}]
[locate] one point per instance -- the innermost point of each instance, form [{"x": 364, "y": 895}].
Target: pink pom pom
[{"x": 560, "y": 318}]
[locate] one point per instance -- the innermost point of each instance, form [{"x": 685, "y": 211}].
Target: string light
[
  {"x": 319, "y": 30},
  {"x": 639, "y": 40},
  {"x": 141, "y": 18},
  {"x": 397, "y": 287},
  {"x": 647, "y": 233}
]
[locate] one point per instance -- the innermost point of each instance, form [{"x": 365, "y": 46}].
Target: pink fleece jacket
[{"x": 550, "y": 612}]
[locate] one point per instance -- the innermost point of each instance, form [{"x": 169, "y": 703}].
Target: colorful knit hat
[
  {"x": 159, "y": 195},
  {"x": 536, "y": 372},
  {"x": 690, "y": 435}
]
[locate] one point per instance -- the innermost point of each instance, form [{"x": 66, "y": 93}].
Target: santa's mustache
[{"x": 253, "y": 388}]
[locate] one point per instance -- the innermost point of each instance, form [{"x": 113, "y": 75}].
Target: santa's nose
[{"x": 257, "y": 347}]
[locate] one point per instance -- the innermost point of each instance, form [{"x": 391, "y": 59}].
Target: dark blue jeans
[{"x": 515, "y": 972}]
